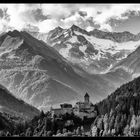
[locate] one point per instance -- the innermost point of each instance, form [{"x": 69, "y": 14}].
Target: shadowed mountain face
[
  {"x": 38, "y": 74},
  {"x": 14, "y": 106}
]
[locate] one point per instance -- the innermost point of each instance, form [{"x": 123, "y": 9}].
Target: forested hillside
[
  {"x": 120, "y": 111},
  {"x": 45, "y": 125}
]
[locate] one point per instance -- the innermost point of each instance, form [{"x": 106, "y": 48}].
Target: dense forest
[
  {"x": 119, "y": 113},
  {"x": 44, "y": 125}
]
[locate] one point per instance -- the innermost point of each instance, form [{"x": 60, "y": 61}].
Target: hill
[{"x": 11, "y": 105}]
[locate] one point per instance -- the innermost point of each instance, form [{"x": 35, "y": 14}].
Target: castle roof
[
  {"x": 65, "y": 105},
  {"x": 86, "y": 95}
]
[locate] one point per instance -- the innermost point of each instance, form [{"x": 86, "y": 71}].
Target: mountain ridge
[
  {"x": 103, "y": 34},
  {"x": 37, "y": 73}
]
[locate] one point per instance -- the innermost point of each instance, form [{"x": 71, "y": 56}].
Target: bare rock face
[{"x": 115, "y": 36}]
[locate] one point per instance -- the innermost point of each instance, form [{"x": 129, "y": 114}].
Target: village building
[{"x": 65, "y": 108}]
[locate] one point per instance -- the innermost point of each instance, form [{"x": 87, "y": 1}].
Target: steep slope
[
  {"x": 4, "y": 123},
  {"x": 31, "y": 70},
  {"x": 130, "y": 64},
  {"x": 14, "y": 106}
]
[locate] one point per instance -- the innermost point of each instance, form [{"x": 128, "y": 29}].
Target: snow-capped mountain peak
[{"x": 93, "y": 48}]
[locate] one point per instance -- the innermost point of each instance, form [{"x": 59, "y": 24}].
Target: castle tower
[{"x": 86, "y": 97}]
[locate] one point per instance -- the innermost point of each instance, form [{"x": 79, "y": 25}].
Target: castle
[
  {"x": 81, "y": 109},
  {"x": 85, "y": 109}
]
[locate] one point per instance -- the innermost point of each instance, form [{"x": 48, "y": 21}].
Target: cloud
[
  {"x": 74, "y": 19},
  {"x": 114, "y": 12},
  {"x": 18, "y": 15},
  {"x": 47, "y": 25},
  {"x": 48, "y": 16},
  {"x": 90, "y": 28},
  {"x": 82, "y": 13},
  {"x": 58, "y": 11},
  {"x": 79, "y": 14}
]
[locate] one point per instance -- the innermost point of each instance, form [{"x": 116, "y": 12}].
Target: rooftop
[
  {"x": 86, "y": 95},
  {"x": 56, "y": 108}
]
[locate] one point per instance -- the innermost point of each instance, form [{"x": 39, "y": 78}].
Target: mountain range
[
  {"x": 96, "y": 51},
  {"x": 60, "y": 66}
]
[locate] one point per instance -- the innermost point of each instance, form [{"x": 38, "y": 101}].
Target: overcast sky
[{"x": 45, "y": 17}]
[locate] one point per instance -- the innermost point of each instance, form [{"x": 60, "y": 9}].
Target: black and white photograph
[{"x": 69, "y": 70}]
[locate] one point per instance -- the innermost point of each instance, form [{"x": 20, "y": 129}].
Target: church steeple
[{"x": 86, "y": 97}]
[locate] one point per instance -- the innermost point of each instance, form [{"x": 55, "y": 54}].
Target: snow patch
[
  {"x": 73, "y": 39},
  {"x": 83, "y": 48},
  {"x": 66, "y": 33},
  {"x": 106, "y": 43},
  {"x": 65, "y": 51}
]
